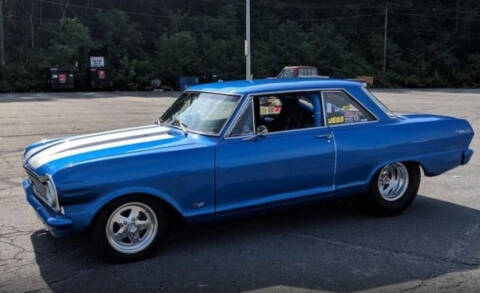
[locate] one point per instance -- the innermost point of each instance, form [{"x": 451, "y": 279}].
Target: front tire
[
  {"x": 129, "y": 228},
  {"x": 394, "y": 188}
]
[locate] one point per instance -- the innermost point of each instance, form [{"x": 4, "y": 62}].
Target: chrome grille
[{"x": 39, "y": 188}]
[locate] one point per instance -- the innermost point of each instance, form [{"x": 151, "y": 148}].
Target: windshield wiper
[{"x": 183, "y": 126}]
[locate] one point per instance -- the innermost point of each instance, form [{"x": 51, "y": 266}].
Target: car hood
[{"x": 79, "y": 149}]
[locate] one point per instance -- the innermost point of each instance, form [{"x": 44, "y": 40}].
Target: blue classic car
[{"x": 238, "y": 147}]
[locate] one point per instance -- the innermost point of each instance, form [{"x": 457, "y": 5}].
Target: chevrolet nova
[{"x": 237, "y": 147}]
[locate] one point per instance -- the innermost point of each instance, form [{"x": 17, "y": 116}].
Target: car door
[
  {"x": 359, "y": 142},
  {"x": 295, "y": 160}
]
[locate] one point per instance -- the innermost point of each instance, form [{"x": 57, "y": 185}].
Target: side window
[
  {"x": 305, "y": 72},
  {"x": 244, "y": 124},
  {"x": 288, "y": 73},
  {"x": 340, "y": 108},
  {"x": 285, "y": 111}
]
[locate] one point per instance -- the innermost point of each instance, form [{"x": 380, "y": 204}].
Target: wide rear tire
[{"x": 394, "y": 188}]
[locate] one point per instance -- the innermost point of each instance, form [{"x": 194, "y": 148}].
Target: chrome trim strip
[
  {"x": 324, "y": 113},
  {"x": 297, "y": 130},
  {"x": 240, "y": 112},
  {"x": 233, "y": 93},
  {"x": 353, "y": 124},
  {"x": 334, "y": 163},
  {"x": 253, "y": 117},
  {"x": 57, "y": 203}
]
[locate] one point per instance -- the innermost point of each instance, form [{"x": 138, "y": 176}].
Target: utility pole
[
  {"x": 385, "y": 36},
  {"x": 457, "y": 16},
  {"x": 41, "y": 10},
  {"x": 64, "y": 12},
  {"x": 2, "y": 39},
  {"x": 32, "y": 29},
  {"x": 247, "y": 43}
]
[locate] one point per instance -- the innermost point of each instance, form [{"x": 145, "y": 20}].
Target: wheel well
[
  {"x": 174, "y": 217},
  {"x": 416, "y": 164},
  {"x": 404, "y": 162}
]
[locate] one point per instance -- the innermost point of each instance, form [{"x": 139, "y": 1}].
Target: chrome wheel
[
  {"x": 132, "y": 227},
  {"x": 393, "y": 181}
]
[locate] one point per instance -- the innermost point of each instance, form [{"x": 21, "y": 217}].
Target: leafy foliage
[
  {"x": 176, "y": 55},
  {"x": 429, "y": 44},
  {"x": 70, "y": 47}
]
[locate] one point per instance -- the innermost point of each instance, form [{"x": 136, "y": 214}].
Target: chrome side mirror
[{"x": 262, "y": 131}]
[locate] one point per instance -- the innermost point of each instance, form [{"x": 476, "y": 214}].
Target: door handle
[{"x": 327, "y": 136}]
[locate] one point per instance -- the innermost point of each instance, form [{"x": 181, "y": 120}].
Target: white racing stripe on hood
[
  {"x": 99, "y": 135},
  {"x": 94, "y": 143},
  {"x": 39, "y": 148}
]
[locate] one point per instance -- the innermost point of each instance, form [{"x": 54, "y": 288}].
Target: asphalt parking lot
[{"x": 330, "y": 246}]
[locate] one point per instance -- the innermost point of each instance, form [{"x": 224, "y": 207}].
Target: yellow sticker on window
[{"x": 336, "y": 120}]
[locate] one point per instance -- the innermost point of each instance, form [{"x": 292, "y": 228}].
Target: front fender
[
  {"x": 103, "y": 200},
  {"x": 83, "y": 214}
]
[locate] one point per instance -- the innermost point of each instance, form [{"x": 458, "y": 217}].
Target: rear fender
[{"x": 432, "y": 164}]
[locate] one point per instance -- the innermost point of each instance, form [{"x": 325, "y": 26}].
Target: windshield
[
  {"x": 200, "y": 112},
  {"x": 378, "y": 102}
]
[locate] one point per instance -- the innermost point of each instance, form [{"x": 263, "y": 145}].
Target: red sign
[
  {"x": 62, "y": 78},
  {"x": 101, "y": 74}
]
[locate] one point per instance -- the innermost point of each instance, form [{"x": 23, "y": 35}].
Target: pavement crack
[{"x": 411, "y": 256}]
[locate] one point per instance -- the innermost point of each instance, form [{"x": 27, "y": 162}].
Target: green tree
[
  {"x": 121, "y": 42},
  {"x": 430, "y": 44},
  {"x": 70, "y": 46},
  {"x": 176, "y": 55}
]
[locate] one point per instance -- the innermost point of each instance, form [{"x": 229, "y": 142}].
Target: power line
[
  {"x": 93, "y": 25},
  {"x": 334, "y": 17},
  {"x": 431, "y": 7},
  {"x": 329, "y": 7},
  {"x": 154, "y": 30},
  {"x": 356, "y": 5},
  {"x": 426, "y": 16},
  {"x": 126, "y": 12},
  {"x": 209, "y": 17}
]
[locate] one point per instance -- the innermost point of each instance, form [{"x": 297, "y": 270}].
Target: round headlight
[{"x": 51, "y": 195}]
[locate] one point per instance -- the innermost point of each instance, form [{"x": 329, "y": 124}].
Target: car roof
[
  {"x": 299, "y": 66},
  {"x": 272, "y": 85}
]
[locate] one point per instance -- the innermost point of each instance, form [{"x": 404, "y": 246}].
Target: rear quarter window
[{"x": 340, "y": 108}]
